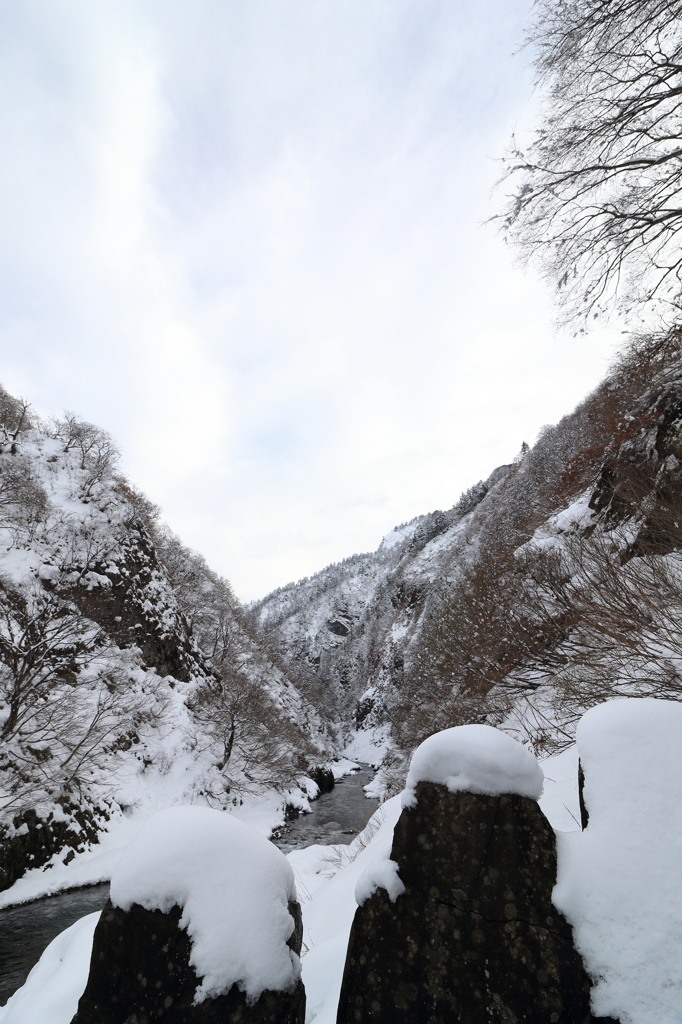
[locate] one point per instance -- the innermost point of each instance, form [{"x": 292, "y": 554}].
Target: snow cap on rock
[
  {"x": 619, "y": 881},
  {"x": 381, "y": 873},
  {"x": 625, "y": 746},
  {"x": 233, "y": 885},
  {"x": 475, "y": 759}
]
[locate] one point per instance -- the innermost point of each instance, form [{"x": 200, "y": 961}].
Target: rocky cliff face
[{"x": 353, "y": 624}]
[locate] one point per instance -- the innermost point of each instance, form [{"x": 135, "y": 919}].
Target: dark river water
[
  {"x": 336, "y": 817},
  {"x": 26, "y": 930}
]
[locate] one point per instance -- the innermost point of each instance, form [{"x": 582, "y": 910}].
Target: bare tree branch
[{"x": 597, "y": 194}]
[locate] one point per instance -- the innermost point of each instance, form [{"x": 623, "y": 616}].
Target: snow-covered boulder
[
  {"x": 202, "y": 925},
  {"x": 620, "y": 880},
  {"x": 457, "y": 923}
]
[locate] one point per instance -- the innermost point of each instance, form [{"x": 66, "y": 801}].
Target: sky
[{"x": 249, "y": 238}]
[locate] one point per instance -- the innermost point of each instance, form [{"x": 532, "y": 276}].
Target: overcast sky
[{"x": 245, "y": 236}]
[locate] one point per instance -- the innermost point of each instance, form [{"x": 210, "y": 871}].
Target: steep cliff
[{"x": 352, "y": 624}]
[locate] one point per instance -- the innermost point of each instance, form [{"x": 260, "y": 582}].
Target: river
[{"x": 26, "y": 930}]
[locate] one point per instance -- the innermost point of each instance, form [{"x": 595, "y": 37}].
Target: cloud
[{"x": 246, "y": 239}]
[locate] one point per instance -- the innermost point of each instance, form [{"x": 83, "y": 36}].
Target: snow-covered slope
[
  {"x": 551, "y": 587},
  {"x": 350, "y": 626},
  {"x": 128, "y": 679}
]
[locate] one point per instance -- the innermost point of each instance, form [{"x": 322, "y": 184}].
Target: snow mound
[
  {"x": 51, "y": 992},
  {"x": 382, "y": 873},
  {"x": 620, "y": 881},
  {"x": 234, "y": 887},
  {"x": 475, "y": 759}
]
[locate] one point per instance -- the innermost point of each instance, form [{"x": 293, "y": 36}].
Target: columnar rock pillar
[
  {"x": 464, "y": 929},
  {"x": 202, "y": 927}
]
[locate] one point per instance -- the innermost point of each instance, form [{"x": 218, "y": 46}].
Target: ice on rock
[
  {"x": 234, "y": 887},
  {"x": 620, "y": 881},
  {"x": 475, "y": 759}
]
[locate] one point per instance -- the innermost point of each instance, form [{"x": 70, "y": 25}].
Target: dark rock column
[
  {"x": 140, "y": 972},
  {"x": 475, "y": 936}
]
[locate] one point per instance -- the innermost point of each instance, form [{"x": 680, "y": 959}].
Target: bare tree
[
  {"x": 143, "y": 510},
  {"x": 597, "y": 198},
  {"x": 66, "y": 698},
  {"x": 14, "y": 419},
  {"x": 252, "y": 741},
  {"x": 207, "y": 600},
  {"x": 23, "y": 501},
  {"x": 42, "y": 638},
  {"x": 488, "y": 640},
  {"x": 626, "y": 638},
  {"x": 96, "y": 448}
]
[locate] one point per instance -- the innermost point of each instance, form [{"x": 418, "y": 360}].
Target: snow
[
  {"x": 369, "y": 746},
  {"x": 382, "y": 873},
  {"x": 51, "y": 992},
  {"x": 342, "y": 766},
  {"x": 399, "y": 535},
  {"x": 87, "y": 541},
  {"x": 234, "y": 887},
  {"x": 326, "y": 879},
  {"x": 620, "y": 881},
  {"x": 88, "y": 868},
  {"x": 328, "y": 915},
  {"x": 265, "y": 812},
  {"x": 578, "y": 515},
  {"x": 399, "y": 631},
  {"x": 559, "y": 801},
  {"x": 475, "y": 759},
  {"x": 148, "y": 794}
]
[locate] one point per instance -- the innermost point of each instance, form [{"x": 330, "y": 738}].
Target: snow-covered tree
[
  {"x": 97, "y": 452},
  {"x": 66, "y": 696}
]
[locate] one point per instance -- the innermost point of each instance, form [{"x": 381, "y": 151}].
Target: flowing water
[
  {"x": 336, "y": 817},
  {"x": 26, "y": 930}
]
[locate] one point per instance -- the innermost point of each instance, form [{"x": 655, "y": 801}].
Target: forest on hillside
[{"x": 121, "y": 652}]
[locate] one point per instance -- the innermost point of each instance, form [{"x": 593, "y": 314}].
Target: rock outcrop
[
  {"x": 31, "y": 840},
  {"x": 348, "y": 629},
  {"x": 474, "y": 937},
  {"x": 140, "y": 971},
  {"x": 324, "y": 777}
]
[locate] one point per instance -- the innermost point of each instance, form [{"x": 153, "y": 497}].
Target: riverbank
[
  {"x": 266, "y": 813},
  {"x": 28, "y": 925}
]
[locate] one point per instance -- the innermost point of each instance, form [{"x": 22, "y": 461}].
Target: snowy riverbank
[{"x": 265, "y": 813}]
